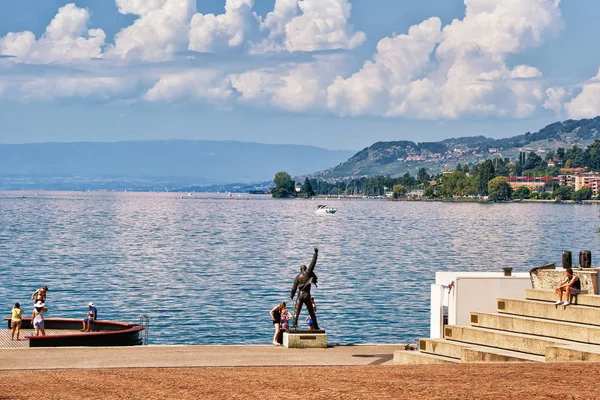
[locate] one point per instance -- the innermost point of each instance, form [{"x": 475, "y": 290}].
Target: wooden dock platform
[{"x": 6, "y": 343}]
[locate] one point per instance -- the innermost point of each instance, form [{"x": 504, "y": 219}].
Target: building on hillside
[
  {"x": 581, "y": 180},
  {"x": 573, "y": 170},
  {"x": 566, "y": 180},
  {"x": 532, "y": 183},
  {"x": 415, "y": 193},
  {"x": 590, "y": 179}
]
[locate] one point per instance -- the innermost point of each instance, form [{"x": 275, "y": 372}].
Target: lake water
[{"x": 209, "y": 270}]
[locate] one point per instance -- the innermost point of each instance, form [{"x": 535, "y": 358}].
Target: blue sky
[{"x": 339, "y": 74}]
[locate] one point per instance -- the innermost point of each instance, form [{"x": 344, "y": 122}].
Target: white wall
[
  {"x": 471, "y": 291},
  {"x": 481, "y": 294}
]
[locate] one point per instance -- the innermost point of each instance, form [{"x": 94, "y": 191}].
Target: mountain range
[
  {"x": 180, "y": 164},
  {"x": 146, "y": 165},
  {"x": 398, "y": 157}
]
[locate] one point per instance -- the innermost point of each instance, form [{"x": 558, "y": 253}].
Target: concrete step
[
  {"x": 536, "y": 326},
  {"x": 466, "y": 352},
  {"x": 402, "y": 357},
  {"x": 572, "y": 353},
  {"x": 441, "y": 347},
  {"x": 583, "y": 299},
  {"x": 482, "y": 354},
  {"x": 543, "y": 309},
  {"x": 501, "y": 339}
]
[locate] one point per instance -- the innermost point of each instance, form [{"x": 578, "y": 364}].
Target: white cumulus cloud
[
  {"x": 555, "y": 99},
  {"x": 398, "y": 61},
  {"x": 466, "y": 73},
  {"x": 159, "y": 32},
  {"x": 139, "y": 7},
  {"x": 209, "y": 31},
  {"x": 291, "y": 87},
  {"x": 430, "y": 72},
  {"x": 309, "y": 25},
  {"x": 287, "y": 86},
  {"x": 195, "y": 84},
  {"x": 66, "y": 39},
  {"x": 587, "y": 103},
  {"x": 103, "y": 88}
]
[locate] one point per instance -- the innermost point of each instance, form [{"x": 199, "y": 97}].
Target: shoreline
[
  {"x": 457, "y": 200},
  {"x": 247, "y": 196}
]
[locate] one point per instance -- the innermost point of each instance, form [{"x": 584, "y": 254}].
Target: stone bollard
[{"x": 567, "y": 260}]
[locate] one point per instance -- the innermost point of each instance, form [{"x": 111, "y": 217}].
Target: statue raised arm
[{"x": 302, "y": 283}]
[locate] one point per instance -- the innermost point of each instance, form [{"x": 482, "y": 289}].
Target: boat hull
[{"x": 104, "y": 333}]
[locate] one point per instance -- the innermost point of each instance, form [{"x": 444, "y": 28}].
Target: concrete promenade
[{"x": 192, "y": 356}]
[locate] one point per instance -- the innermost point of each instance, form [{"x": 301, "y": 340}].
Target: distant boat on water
[{"x": 323, "y": 209}]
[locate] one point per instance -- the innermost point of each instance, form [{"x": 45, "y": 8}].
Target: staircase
[{"x": 530, "y": 330}]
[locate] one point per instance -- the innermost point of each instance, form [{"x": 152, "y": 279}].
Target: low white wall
[
  {"x": 481, "y": 294},
  {"x": 465, "y": 292}
]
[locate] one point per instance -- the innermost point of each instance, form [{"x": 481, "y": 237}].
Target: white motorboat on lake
[{"x": 323, "y": 209}]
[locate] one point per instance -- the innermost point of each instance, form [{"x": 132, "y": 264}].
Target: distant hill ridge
[
  {"x": 397, "y": 157},
  {"x": 186, "y": 162}
]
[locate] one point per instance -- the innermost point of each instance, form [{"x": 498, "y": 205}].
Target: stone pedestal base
[{"x": 308, "y": 339}]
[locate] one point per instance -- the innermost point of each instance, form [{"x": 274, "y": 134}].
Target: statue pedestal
[{"x": 305, "y": 339}]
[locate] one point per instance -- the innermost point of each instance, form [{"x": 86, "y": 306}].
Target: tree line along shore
[{"x": 564, "y": 175}]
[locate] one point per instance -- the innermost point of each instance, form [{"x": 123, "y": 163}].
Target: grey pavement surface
[{"x": 192, "y": 356}]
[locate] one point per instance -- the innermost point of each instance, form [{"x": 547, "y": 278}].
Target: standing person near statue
[
  {"x": 276, "y": 318},
  {"x": 285, "y": 319},
  {"x": 302, "y": 282}
]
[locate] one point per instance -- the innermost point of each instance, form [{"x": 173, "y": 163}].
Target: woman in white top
[{"x": 37, "y": 318}]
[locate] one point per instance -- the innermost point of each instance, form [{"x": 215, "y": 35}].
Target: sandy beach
[{"x": 466, "y": 381}]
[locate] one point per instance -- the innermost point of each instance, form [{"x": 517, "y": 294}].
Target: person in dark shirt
[
  {"x": 276, "y": 318},
  {"x": 572, "y": 285}
]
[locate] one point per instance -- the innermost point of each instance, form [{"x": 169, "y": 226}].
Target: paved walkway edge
[{"x": 192, "y": 356}]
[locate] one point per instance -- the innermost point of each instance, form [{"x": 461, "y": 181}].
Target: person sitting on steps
[{"x": 571, "y": 286}]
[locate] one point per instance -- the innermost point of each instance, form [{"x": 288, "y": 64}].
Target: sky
[{"x": 338, "y": 74}]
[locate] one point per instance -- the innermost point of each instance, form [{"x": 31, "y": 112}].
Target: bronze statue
[{"x": 302, "y": 283}]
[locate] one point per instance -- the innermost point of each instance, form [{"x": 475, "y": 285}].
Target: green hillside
[{"x": 398, "y": 157}]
